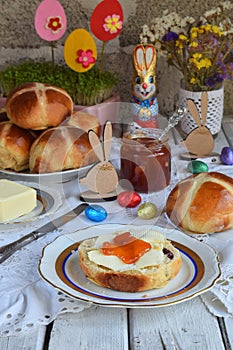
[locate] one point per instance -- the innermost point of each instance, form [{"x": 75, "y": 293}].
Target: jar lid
[{"x": 135, "y": 132}]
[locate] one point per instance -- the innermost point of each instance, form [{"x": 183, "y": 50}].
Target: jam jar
[{"x": 145, "y": 160}]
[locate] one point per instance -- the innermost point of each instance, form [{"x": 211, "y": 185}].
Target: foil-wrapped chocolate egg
[
  {"x": 95, "y": 213},
  {"x": 128, "y": 199},
  {"x": 226, "y": 156},
  {"x": 147, "y": 211},
  {"x": 197, "y": 166}
]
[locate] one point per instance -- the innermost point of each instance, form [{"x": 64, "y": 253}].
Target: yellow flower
[
  {"x": 193, "y": 44},
  {"x": 194, "y": 30},
  {"x": 183, "y": 37},
  {"x": 217, "y": 30},
  {"x": 203, "y": 63},
  {"x": 179, "y": 45},
  {"x": 207, "y": 27},
  {"x": 193, "y": 81},
  {"x": 197, "y": 56},
  {"x": 193, "y": 34},
  {"x": 201, "y": 30},
  {"x": 112, "y": 24}
]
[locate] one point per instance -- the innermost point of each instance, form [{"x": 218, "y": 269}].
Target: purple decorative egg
[{"x": 226, "y": 156}]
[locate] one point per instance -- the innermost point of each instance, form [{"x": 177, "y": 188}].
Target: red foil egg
[{"x": 128, "y": 199}]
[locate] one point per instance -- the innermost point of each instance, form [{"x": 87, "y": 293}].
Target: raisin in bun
[
  {"x": 152, "y": 270},
  {"x": 84, "y": 121},
  {"x": 202, "y": 203},
  {"x": 61, "y": 148},
  {"x": 15, "y": 144},
  {"x": 38, "y": 106}
]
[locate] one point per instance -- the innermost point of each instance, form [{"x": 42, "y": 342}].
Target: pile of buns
[
  {"x": 202, "y": 203},
  {"x": 154, "y": 268},
  {"x": 43, "y": 133}
]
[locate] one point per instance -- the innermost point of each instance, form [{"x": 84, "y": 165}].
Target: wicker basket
[{"x": 215, "y": 110}]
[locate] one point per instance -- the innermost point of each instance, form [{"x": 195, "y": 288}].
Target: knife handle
[{"x": 9, "y": 249}]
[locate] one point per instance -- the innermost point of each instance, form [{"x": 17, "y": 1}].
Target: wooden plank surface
[
  {"x": 31, "y": 340},
  {"x": 228, "y": 329},
  {"x": 187, "y": 325},
  {"x": 96, "y": 328},
  {"x": 227, "y": 126}
]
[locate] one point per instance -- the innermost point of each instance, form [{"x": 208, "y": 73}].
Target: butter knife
[{"x": 7, "y": 250}]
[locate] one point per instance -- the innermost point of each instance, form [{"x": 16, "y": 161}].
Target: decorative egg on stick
[
  {"x": 106, "y": 23},
  {"x": 102, "y": 178},
  {"x": 80, "y": 51},
  {"x": 50, "y": 21},
  {"x": 145, "y": 104}
]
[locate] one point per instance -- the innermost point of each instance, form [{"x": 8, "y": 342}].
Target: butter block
[{"x": 15, "y": 200}]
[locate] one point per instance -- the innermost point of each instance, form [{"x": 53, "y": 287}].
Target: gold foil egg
[{"x": 147, "y": 211}]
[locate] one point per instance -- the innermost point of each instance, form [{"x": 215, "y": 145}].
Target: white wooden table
[{"x": 187, "y": 325}]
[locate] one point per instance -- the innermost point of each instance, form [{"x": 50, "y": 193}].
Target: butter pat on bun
[{"x": 153, "y": 269}]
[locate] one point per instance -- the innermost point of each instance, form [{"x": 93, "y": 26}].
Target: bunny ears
[
  {"x": 144, "y": 57},
  {"x": 204, "y": 109},
  {"x": 103, "y": 153},
  {"x": 199, "y": 141}
]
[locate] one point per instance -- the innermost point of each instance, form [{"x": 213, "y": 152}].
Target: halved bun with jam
[{"x": 126, "y": 263}]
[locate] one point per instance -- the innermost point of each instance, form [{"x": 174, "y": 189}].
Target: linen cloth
[{"x": 27, "y": 300}]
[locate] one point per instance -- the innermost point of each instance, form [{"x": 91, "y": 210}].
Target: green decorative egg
[
  {"x": 197, "y": 166},
  {"x": 147, "y": 211}
]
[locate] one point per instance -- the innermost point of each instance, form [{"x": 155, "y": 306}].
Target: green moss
[{"x": 85, "y": 88}]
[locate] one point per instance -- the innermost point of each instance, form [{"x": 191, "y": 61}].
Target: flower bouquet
[{"x": 201, "y": 49}]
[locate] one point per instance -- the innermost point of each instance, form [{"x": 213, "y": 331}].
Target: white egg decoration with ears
[{"x": 102, "y": 178}]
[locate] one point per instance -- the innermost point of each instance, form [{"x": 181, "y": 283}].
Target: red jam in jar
[{"x": 145, "y": 160}]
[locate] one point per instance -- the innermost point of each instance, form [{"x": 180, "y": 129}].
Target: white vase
[{"x": 215, "y": 110}]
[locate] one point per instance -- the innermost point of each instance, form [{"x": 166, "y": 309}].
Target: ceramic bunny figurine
[
  {"x": 145, "y": 105},
  {"x": 200, "y": 141},
  {"x": 102, "y": 178}
]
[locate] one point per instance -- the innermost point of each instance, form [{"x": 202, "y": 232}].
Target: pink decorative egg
[
  {"x": 50, "y": 20},
  {"x": 128, "y": 199}
]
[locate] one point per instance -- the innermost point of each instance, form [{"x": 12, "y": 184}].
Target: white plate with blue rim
[{"x": 59, "y": 266}]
